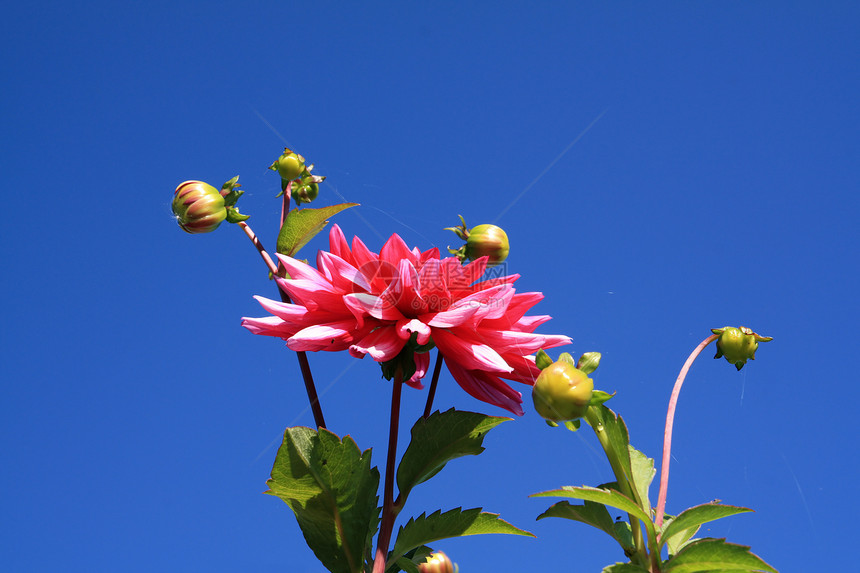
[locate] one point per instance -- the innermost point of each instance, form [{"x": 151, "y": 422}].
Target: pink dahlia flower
[{"x": 375, "y": 304}]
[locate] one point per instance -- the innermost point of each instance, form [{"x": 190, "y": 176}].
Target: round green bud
[
  {"x": 199, "y": 207},
  {"x": 437, "y": 562},
  {"x": 289, "y": 166},
  {"x": 736, "y": 346},
  {"x": 487, "y": 241},
  {"x": 562, "y": 392},
  {"x": 306, "y": 193}
]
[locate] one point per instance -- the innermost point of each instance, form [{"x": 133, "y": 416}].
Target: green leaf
[
  {"x": 301, "y": 225},
  {"x": 330, "y": 486},
  {"x": 593, "y": 514},
  {"x": 715, "y": 555},
  {"x": 615, "y": 429},
  {"x": 624, "y": 568},
  {"x": 589, "y": 362},
  {"x": 642, "y": 468},
  {"x": 422, "y": 530},
  {"x": 608, "y": 497},
  {"x": 696, "y": 516},
  {"x": 408, "y": 562},
  {"x": 438, "y": 439}
]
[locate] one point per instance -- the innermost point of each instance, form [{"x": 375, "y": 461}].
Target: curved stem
[
  {"x": 667, "y": 434},
  {"x": 432, "y": 393},
  {"x": 273, "y": 268},
  {"x": 389, "y": 511}
]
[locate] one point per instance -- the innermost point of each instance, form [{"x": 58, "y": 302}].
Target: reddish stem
[
  {"x": 667, "y": 434},
  {"x": 432, "y": 392},
  {"x": 388, "y": 509},
  {"x": 266, "y": 258}
]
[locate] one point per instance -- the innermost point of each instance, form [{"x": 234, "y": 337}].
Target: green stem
[
  {"x": 667, "y": 434},
  {"x": 641, "y": 555},
  {"x": 389, "y": 510}
]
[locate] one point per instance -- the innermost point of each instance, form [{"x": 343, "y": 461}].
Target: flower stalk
[
  {"x": 389, "y": 508},
  {"x": 667, "y": 434},
  {"x": 431, "y": 393}
]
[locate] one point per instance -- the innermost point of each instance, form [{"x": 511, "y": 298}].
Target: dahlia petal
[
  {"x": 375, "y": 306},
  {"x": 403, "y": 291},
  {"x": 525, "y": 370},
  {"x": 313, "y": 295},
  {"x": 433, "y": 286},
  {"x": 471, "y": 355},
  {"x": 395, "y": 250},
  {"x": 333, "y": 336},
  {"x": 268, "y": 326},
  {"x": 452, "y": 317},
  {"x": 382, "y": 344},
  {"x": 406, "y": 327},
  {"x": 340, "y": 273},
  {"x": 338, "y": 245},
  {"x": 299, "y": 270},
  {"x": 487, "y": 388},
  {"x": 422, "y": 365},
  {"x": 520, "y": 343}
]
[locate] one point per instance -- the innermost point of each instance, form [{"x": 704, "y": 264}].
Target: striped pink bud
[{"x": 199, "y": 207}]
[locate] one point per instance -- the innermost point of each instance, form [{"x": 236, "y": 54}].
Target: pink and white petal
[
  {"x": 475, "y": 270},
  {"x": 520, "y": 343},
  {"x": 333, "y": 336},
  {"x": 299, "y": 270},
  {"x": 483, "y": 285},
  {"x": 395, "y": 250},
  {"x": 403, "y": 291},
  {"x": 406, "y": 327},
  {"x": 525, "y": 370},
  {"x": 375, "y": 306},
  {"x": 314, "y": 296},
  {"x": 487, "y": 388},
  {"x": 433, "y": 286},
  {"x": 382, "y": 344},
  {"x": 454, "y": 316},
  {"x": 338, "y": 245},
  {"x": 422, "y": 365},
  {"x": 268, "y": 326},
  {"x": 342, "y": 275},
  {"x": 472, "y": 355}
]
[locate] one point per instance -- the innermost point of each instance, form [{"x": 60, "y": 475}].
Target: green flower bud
[
  {"x": 289, "y": 165},
  {"x": 487, "y": 241},
  {"x": 306, "y": 193},
  {"x": 562, "y": 392},
  {"x": 481, "y": 241},
  {"x": 738, "y": 344},
  {"x": 437, "y": 562},
  {"x": 199, "y": 207}
]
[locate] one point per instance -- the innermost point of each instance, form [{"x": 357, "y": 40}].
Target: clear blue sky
[{"x": 717, "y": 184}]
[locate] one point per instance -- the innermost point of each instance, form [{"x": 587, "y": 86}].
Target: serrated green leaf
[
  {"x": 415, "y": 557},
  {"x": 642, "y": 468},
  {"x": 696, "y": 516},
  {"x": 301, "y": 225},
  {"x": 593, "y": 514},
  {"x": 624, "y": 568},
  {"x": 457, "y": 522},
  {"x": 438, "y": 439},
  {"x": 589, "y": 362},
  {"x": 678, "y": 540},
  {"x": 608, "y": 497},
  {"x": 706, "y": 555},
  {"x": 405, "y": 564},
  {"x": 330, "y": 486}
]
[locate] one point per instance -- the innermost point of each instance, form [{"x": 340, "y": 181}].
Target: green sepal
[
  {"x": 438, "y": 439},
  {"x": 551, "y": 424},
  {"x": 332, "y": 489},
  {"x": 234, "y": 216},
  {"x": 589, "y": 362},
  {"x": 542, "y": 359},
  {"x": 708, "y": 555},
  {"x": 572, "y": 425},
  {"x": 566, "y": 357},
  {"x": 457, "y": 522},
  {"x": 301, "y": 225},
  {"x": 230, "y": 191},
  {"x": 598, "y": 397}
]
